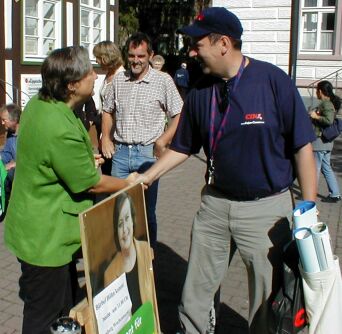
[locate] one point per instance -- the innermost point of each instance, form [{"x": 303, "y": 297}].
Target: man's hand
[
  {"x": 10, "y": 165},
  {"x": 107, "y": 147},
  {"x": 159, "y": 148},
  {"x": 135, "y": 178}
]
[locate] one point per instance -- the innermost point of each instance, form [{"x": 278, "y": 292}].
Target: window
[
  {"x": 318, "y": 26},
  {"x": 42, "y": 28},
  {"x": 93, "y": 23}
]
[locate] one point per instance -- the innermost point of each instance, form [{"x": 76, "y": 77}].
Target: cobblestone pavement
[{"x": 179, "y": 199}]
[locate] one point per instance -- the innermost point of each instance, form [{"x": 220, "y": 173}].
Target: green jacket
[
  {"x": 326, "y": 112},
  {"x": 3, "y": 174},
  {"x": 54, "y": 168}
]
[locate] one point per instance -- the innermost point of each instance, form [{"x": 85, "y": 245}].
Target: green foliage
[
  {"x": 160, "y": 19},
  {"x": 129, "y": 23}
]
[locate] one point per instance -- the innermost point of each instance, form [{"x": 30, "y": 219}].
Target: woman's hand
[
  {"x": 314, "y": 115},
  {"x": 135, "y": 178},
  {"x": 98, "y": 160}
]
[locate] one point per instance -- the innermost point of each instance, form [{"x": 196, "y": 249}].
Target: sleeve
[
  {"x": 8, "y": 151},
  {"x": 296, "y": 124},
  {"x": 109, "y": 99},
  {"x": 72, "y": 160},
  {"x": 174, "y": 102},
  {"x": 187, "y": 138},
  {"x": 327, "y": 114}
]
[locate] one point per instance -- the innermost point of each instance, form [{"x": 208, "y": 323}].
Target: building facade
[
  {"x": 32, "y": 28},
  {"x": 303, "y": 37}
]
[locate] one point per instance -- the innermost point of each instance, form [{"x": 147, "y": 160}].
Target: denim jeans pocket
[
  {"x": 118, "y": 147},
  {"x": 147, "y": 151}
]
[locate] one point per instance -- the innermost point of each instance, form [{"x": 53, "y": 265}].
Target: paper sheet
[{"x": 305, "y": 214}]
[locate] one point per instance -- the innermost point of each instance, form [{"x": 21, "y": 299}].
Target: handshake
[{"x": 135, "y": 178}]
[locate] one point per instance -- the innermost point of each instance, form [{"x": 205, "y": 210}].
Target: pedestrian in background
[
  {"x": 181, "y": 79},
  {"x": 322, "y": 117},
  {"x": 10, "y": 118},
  {"x": 254, "y": 129},
  {"x": 158, "y": 62}
]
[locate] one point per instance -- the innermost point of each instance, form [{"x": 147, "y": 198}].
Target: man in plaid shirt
[{"x": 136, "y": 108}]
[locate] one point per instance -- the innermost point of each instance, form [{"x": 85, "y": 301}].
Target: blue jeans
[
  {"x": 323, "y": 164},
  {"x": 138, "y": 158}
]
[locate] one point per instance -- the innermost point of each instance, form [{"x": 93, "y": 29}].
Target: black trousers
[{"x": 48, "y": 293}]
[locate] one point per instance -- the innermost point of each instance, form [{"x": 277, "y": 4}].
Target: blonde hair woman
[{"x": 108, "y": 56}]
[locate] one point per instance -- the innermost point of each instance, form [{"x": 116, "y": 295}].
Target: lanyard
[{"x": 214, "y": 138}]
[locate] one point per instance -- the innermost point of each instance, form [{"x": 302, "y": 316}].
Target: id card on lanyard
[{"x": 215, "y": 137}]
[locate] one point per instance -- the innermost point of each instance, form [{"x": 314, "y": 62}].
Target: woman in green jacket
[{"x": 56, "y": 178}]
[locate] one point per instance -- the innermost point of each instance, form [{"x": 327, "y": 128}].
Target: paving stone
[
  {"x": 14, "y": 322},
  {"x": 178, "y": 201}
]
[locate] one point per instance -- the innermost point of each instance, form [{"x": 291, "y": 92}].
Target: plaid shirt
[{"x": 140, "y": 106}]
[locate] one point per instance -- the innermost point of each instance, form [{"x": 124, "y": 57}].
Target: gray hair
[
  {"x": 61, "y": 67},
  {"x": 14, "y": 111}
]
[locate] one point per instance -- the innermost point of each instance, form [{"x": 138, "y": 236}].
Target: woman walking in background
[{"x": 322, "y": 117}]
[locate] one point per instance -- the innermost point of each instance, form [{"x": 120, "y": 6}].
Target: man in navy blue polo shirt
[{"x": 250, "y": 120}]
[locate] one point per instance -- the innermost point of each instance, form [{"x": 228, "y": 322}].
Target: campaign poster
[{"x": 118, "y": 265}]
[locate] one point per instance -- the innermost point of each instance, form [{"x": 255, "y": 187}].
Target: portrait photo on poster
[{"x": 118, "y": 264}]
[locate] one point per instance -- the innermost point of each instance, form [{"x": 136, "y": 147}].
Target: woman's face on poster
[{"x": 125, "y": 226}]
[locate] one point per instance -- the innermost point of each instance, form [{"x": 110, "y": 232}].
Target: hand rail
[
  {"x": 336, "y": 74},
  {"x": 16, "y": 89}
]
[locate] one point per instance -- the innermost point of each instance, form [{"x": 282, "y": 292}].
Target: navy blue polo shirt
[{"x": 266, "y": 125}]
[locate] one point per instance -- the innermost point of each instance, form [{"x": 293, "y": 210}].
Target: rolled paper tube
[
  {"x": 306, "y": 249},
  {"x": 321, "y": 240},
  {"x": 305, "y": 214}
]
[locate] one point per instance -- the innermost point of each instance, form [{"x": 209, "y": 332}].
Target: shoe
[{"x": 331, "y": 199}]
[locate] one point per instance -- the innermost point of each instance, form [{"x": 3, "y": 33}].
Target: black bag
[
  {"x": 332, "y": 131},
  {"x": 288, "y": 305}
]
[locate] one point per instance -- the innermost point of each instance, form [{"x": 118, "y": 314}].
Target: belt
[
  {"x": 254, "y": 197},
  {"x": 131, "y": 145}
]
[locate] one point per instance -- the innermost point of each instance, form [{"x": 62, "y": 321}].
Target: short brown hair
[
  {"x": 139, "y": 38},
  {"x": 14, "y": 111}
]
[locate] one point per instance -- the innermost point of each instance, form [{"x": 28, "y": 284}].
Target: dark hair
[
  {"x": 119, "y": 202},
  {"x": 60, "y": 68},
  {"x": 109, "y": 54},
  {"x": 137, "y": 39},
  {"x": 214, "y": 37},
  {"x": 14, "y": 111},
  {"x": 326, "y": 88}
]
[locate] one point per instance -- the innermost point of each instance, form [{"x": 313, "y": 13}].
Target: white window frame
[
  {"x": 319, "y": 9},
  {"x": 92, "y": 10},
  {"x": 40, "y": 55}
]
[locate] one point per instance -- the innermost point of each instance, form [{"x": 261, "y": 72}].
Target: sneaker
[{"x": 331, "y": 199}]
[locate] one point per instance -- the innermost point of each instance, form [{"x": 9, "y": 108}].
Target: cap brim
[{"x": 193, "y": 31}]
